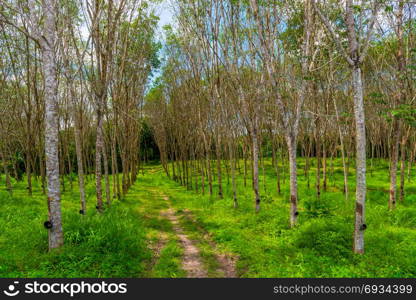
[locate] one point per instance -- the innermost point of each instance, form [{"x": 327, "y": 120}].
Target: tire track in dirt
[
  {"x": 191, "y": 261},
  {"x": 227, "y": 263}
]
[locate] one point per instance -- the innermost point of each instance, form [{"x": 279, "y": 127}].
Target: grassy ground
[
  {"x": 108, "y": 245},
  {"x": 132, "y": 239},
  {"x": 321, "y": 245}
]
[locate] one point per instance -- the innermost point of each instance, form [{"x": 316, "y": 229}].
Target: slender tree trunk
[
  {"x": 28, "y": 154},
  {"x": 29, "y": 169},
  {"x": 318, "y": 160},
  {"x": 344, "y": 164},
  {"x": 308, "y": 163},
  {"x": 233, "y": 182},
  {"x": 245, "y": 166},
  {"x": 61, "y": 162},
  {"x": 42, "y": 169},
  {"x": 219, "y": 173},
  {"x": 255, "y": 146},
  {"x": 291, "y": 144},
  {"x": 6, "y": 173},
  {"x": 98, "y": 153},
  {"x": 393, "y": 163},
  {"x": 209, "y": 174},
  {"x": 106, "y": 175},
  {"x": 28, "y": 124},
  {"x": 401, "y": 65},
  {"x": 275, "y": 165},
  {"x": 80, "y": 166},
  {"x": 410, "y": 163},
  {"x": 56, "y": 238},
  {"x": 360, "y": 138},
  {"x": 324, "y": 166},
  {"x": 114, "y": 167},
  {"x": 262, "y": 169},
  {"x": 402, "y": 166},
  {"x": 202, "y": 176}
]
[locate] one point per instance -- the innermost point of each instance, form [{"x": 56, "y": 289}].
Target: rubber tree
[{"x": 354, "y": 55}]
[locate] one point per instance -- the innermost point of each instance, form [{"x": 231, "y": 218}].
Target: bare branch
[
  {"x": 334, "y": 37},
  {"x": 370, "y": 31}
]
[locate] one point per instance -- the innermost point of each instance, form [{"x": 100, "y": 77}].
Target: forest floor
[
  {"x": 163, "y": 229},
  {"x": 263, "y": 245},
  {"x": 179, "y": 245}
]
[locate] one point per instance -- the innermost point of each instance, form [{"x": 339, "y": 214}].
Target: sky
[{"x": 164, "y": 11}]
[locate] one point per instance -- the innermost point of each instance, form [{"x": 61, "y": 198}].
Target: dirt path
[
  {"x": 191, "y": 261},
  {"x": 226, "y": 262}
]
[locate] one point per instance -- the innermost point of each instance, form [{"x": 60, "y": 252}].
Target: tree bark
[
  {"x": 393, "y": 163},
  {"x": 78, "y": 149},
  {"x": 233, "y": 181},
  {"x": 56, "y": 239},
  {"x": 255, "y": 146},
  {"x": 291, "y": 144},
  {"x": 98, "y": 169},
  {"x": 360, "y": 137}
]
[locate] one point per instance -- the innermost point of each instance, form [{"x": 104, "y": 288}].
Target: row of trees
[
  {"x": 241, "y": 80},
  {"x": 310, "y": 78},
  {"x": 73, "y": 79}
]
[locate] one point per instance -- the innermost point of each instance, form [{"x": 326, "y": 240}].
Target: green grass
[
  {"x": 321, "y": 246},
  {"x": 109, "y": 245},
  {"x": 168, "y": 265},
  {"x": 149, "y": 204},
  {"x": 116, "y": 243},
  {"x": 207, "y": 252}
]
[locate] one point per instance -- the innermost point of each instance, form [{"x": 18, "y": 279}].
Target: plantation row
[
  {"x": 90, "y": 93},
  {"x": 122, "y": 241}
]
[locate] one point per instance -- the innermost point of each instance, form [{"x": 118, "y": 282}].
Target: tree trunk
[
  {"x": 114, "y": 167},
  {"x": 344, "y": 164},
  {"x": 106, "y": 174},
  {"x": 318, "y": 160},
  {"x": 80, "y": 166},
  {"x": 324, "y": 166},
  {"x": 51, "y": 125},
  {"x": 402, "y": 166},
  {"x": 202, "y": 162},
  {"x": 218, "y": 160},
  {"x": 233, "y": 182},
  {"x": 291, "y": 144},
  {"x": 98, "y": 152},
  {"x": 275, "y": 164},
  {"x": 361, "y": 187},
  {"x": 393, "y": 163},
  {"x": 6, "y": 173},
  {"x": 255, "y": 146}
]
